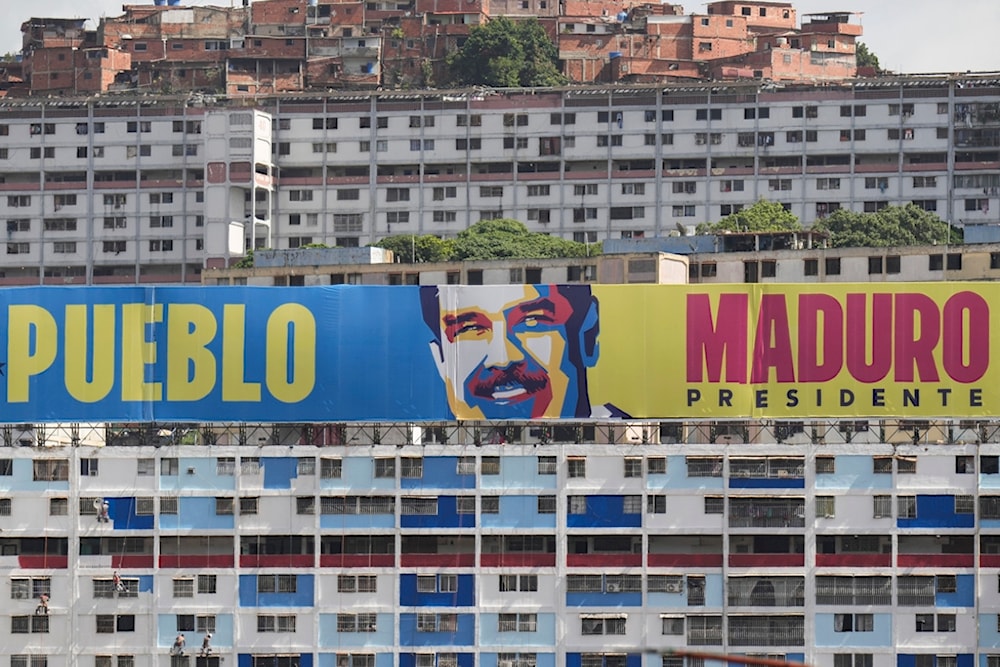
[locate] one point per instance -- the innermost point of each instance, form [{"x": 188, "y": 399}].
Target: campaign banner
[{"x": 505, "y": 352}]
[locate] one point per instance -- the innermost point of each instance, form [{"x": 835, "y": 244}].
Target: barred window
[
  {"x": 419, "y": 505},
  {"x": 882, "y": 507},
  {"x": 168, "y": 505},
  {"x": 184, "y": 587},
  {"x": 490, "y": 465},
  {"x": 225, "y": 466},
  {"x": 249, "y": 505},
  {"x": 356, "y": 622},
  {"x": 277, "y": 583},
  {"x": 330, "y": 468},
  {"x": 546, "y": 465},
  {"x": 385, "y": 468},
  {"x": 305, "y": 505},
  {"x": 411, "y": 467},
  {"x": 490, "y": 504},
  {"x": 656, "y": 465},
  {"x": 466, "y": 465},
  {"x": 703, "y": 466}
]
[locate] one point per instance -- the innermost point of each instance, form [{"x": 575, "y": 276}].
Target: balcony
[
  {"x": 766, "y": 551},
  {"x": 765, "y": 512},
  {"x": 854, "y": 591},
  {"x": 853, "y": 551},
  {"x": 936, "y": 551},
  {"x": 196, "y": 551},
  {"x": 357, "y": 551},
  {"x": 604, "y": 551},
  {"x": 437, "y": 551},
  {"x": 766, "y": 631},
  {"x": 766, "y": 591},
  {"x": 685, "y": 551},
  {"x": 518, "y": 551}
]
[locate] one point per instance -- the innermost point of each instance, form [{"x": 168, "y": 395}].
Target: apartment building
[
  {"x": 532, "y": 552},
  {"x": 151, "y": 189},
  {"x": 278, "y": 46}
]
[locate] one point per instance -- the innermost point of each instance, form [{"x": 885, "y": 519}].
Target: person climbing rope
[
  {"x": 43, "y": 605},
  {"x": 178, "y": 647},
  {"x": 206, "y": 646},
  {"x": 118, "y": 583}
]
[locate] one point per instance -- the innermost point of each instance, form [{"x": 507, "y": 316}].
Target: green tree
[
  {"x": 892, "y": 226},
  {"x": 506, "y": 238},
  {"x": 411, "y": 249},
  {"x": 506, "y": 54},
  {"x": 762, "y": 216},
  {"x": 866, "y": 58}
]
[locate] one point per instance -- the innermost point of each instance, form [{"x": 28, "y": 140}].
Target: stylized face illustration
[{"x": 505, "y": 353}]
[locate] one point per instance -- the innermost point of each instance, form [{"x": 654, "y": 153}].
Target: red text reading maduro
[{"x": 864, "y": 339}]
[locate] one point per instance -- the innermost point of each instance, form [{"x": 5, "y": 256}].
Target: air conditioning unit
[
  {"x": 190, "y": 471},
  {"x": 677, "y": 587},
  {"x": 614, "y": 588}
]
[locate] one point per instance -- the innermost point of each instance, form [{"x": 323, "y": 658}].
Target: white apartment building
[{"x": 148, "y": 189}]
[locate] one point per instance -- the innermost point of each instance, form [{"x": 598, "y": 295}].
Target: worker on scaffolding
[
  {"x": 206, "y": 646},
  {"x": 119, "y": 585},
  {"x": 43, "y": 605},
  {"x": 178, "y": 647}
]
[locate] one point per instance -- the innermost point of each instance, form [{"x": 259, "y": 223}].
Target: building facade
[
  {"x": 112, "y": 190},
  {"x": 833, "y": 543}
]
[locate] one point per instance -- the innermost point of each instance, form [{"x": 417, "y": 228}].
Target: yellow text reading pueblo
[{"x": 192, "y": 370}]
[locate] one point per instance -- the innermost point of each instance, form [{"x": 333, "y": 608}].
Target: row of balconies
[
  {"x": 863, "y": 431},
  {"x": 533, "y": 550}
]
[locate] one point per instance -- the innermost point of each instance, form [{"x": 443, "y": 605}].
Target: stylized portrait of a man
[{"x": 514, "y": 352}]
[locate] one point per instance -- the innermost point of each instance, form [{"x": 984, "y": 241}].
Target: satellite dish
[{"x": 681, "y": 228}]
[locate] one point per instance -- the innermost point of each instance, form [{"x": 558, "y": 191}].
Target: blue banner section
[{"x": 178, "y": 354}]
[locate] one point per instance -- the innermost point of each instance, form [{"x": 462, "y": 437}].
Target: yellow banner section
[{"x": 911, "y": 350}]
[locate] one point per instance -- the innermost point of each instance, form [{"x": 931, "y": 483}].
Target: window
[
  {"x": 330, "y": 468},
  {"x": 223, "y": 506},
  {"x": 109, "y": 623},
  {"x": 882, "y": 507},
  {"x": 206, "y": 584},
  {"x": 576, "y": 466},
  {"x": 825, "y": 507},
  {"x": 34, "y": 624},
  {"x": 853, "y": 623},
  {"x": 30, "y": 588},
  {"x": 633, "y": 466},
  {"x": 546, "y": 465},
  {"x": 183, "y": 587},
  {"x": 546, "y": 504},
  {"x": 655, "y": 504},
  {"x": 906, "y": 507},
  {"x": 524, "y": 622},
  {"x": 277, "y": 583},
  {"x": 602, "y": 625},
  {"x": 715, "y": 505},
  {"x": 50, "y": 470},
  {"x": 437, "y": 622},
  {"x": 397, "y": 194},
  {"x": 362, "y": 583},
  {"x": 656, "y": 465},
  {"x": 965, "y": 465},
  {"x": 356, "y": 622},
  {"x": 276, "y": 623},
  {"x": 385, "y": 468}
]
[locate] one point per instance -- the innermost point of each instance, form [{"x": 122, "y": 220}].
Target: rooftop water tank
[
  {"x": 615, "y": 54},
  {"x": 159, "y": 3},
  {"x": 173, "y": 3}
]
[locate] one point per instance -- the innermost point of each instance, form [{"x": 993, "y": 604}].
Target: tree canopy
[
  {"x": 892, "y": 226},
  {"x": 506, "y": 238},
  {"x": 762, "y": 216},
  {"x": 412, "y": 249},
  {"x": 866, "y": 58},
  {"x": 488, "y": 239},
  {"x": 506, "y": 54}
]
